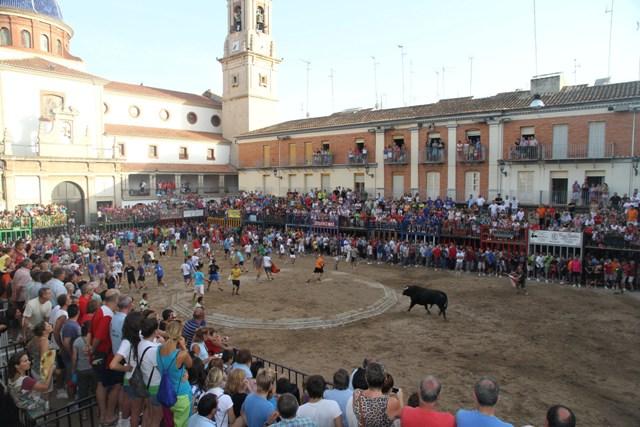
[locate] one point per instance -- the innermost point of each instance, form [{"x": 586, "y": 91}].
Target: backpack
[
  {"x": 167, "y": 395},
  {"x": 136, "y": 382}
]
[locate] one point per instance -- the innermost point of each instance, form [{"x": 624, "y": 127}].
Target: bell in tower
[{"x": 237, "y": 19}]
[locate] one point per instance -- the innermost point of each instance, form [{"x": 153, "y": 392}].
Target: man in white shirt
[
  {"x": 56, "y": 285},
  {"x": 267, "y": 264},
  {"x": 324, "y": 412},
  {"x": 36, "y": 310}
]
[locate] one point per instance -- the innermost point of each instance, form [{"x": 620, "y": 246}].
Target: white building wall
[
  {"x": 137, "y": 151},
  {"x": 255, "y": 180},
  {"x": 21, "y": 96},
  {"x": 118, "y": 113}
]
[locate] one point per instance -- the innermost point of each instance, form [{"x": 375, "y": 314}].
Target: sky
[{"x": 175, "y": 45}]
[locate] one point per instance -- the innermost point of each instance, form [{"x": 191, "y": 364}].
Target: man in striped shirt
[{"x": 191, "y": 325}]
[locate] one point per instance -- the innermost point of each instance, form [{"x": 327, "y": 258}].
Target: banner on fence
[
  {"x": 233, "y": 213},
  {"x": 555, "y": 238},
  {"x": 170, "y": 214},
  {"x": 503, "y": 234},
  {"x": 193, "y": 213},
  {"x": 326, "y": 224}
]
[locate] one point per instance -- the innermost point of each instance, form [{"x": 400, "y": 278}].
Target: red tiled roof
[
  {"x": 507, "y": 101},
  {"x": 146, "y": 132},
  {"x": 39, "y": 64},
  {"x": 171, "y": 95},
  {"x": 177, "y": 167}
]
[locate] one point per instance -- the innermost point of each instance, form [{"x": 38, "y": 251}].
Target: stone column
[
  {"x": 414, "y": 157},
  {"x": 379, "y": 162},
  {"x": 495, "y": 154},
  {"x": 451, "y": 160}
]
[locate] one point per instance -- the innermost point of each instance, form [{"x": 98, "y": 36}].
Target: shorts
[
  {"x": 131, "y": 394},
  {"x": 241, "y": 262},
  {"x": 214, "y": 277},
  {"x": 108, "y": 377},
  {"x": 186, "y": 277},
  {"x": 159, "y": 279},
  {"x": 267, "y": 269},
  {"x": 318, "y": 270},
  {"x": 198, "y": 289},
  {"x": 236, "y": 283},
  {"x": 226, "y": 251}
]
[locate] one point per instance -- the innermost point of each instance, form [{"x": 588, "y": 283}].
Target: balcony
[
  {"x": 526, "y": 154},
  {"x": 357, "y": 159},
  {"x": 584, "y": 151},
  {"x": 471, "y": 154},
  {"x": 322, "y": 159},
  {"x": 433, "y": 155},
  {"x": 396, "y": 157}
]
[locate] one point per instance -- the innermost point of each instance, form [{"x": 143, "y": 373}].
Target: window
[
  {"x": 325, "y": 182},
  {"x": 153, "y": 151},
  {"x": 292, "y": 154},
  {"x": 44, "y": 43},
  {"x": 105, "y": 108},
  {"x": 266, "y": 155},
  {"x": 473, "y": 137},
  {"x": 5, "y": 36},
  {"x": 291, "y": 180},
  {"x": 260, "y": 19},
  {"x": 472, "y": 184},
  {"x": 398, "y": 141},
  {"x": 59, "y": 47},
  {"x": 526, "y": 190},
  {"x": 433, "y": 185},
  {"x": 326, "y": 146},
  {"x": 50, "y": 104},
  {"x": 263, "y": 80},
  {"x": 528, "y": 132},
  {"x": 121, "y": 149},
  {"x": 560, "y": 141},
  {"x": 134, "y": 111},
  {"x": 192, "y": 118},
  {"x": 183, "y": 153},
  {"x": 164, "y": 115},
  {"x": 235, "y": 80},
  {"x": 211, "y": 154},
  {"x": 308, "y": 152},
  {"x": 358, "y": 183},
  {"x": 596, "y": 140},
  {"x": 215, "y": 120},
  {"x": 25, "y": 38}
]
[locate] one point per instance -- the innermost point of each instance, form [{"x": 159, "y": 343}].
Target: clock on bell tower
[{"x": 249, "y": 69}]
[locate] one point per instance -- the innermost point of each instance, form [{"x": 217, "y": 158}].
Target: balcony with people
[
  {"x": 434, "y": 151},
  {"x": 526, "y": 149},
  {"x": 396, "y": 153},
  {"x": 138, "y": 186},
  {"x": 471, "y": 151},
  {"x": 359, "y": 155},
  {"x": 323, "y": 157}
]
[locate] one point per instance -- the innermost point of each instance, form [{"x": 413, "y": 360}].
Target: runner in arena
[
  {"x": 518, "y": 280},
  {"x": 319, "y": 268}
]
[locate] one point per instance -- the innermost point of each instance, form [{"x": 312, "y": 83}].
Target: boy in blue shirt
[
  {"x": 159, "y": 273},
  {"x": 198, "y": 283}
]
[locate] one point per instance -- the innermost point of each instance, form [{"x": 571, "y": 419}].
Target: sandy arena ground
[{"x": 564, "y": 345}]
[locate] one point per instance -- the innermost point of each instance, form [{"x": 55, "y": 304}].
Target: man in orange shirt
[
  {"x": 319, "y": 267},
  {"x": 426, "y": 414}
]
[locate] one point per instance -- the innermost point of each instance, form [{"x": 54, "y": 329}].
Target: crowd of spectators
[
  {"x": 395, "y": 153},
  {"x": 43, "y": 216},
  {"x": 470, "y": 150},
  {"x": 146, "y": 365}
]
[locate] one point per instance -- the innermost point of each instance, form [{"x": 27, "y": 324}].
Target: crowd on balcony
[
  {"x": 395, "y": 153},
  {"x": 471, "y": 150},
  {"x": 526, "y": 148},
  {"x": 165, "y": 188},
  {"x": 323, "y": 157},
  {"x": 357, "y": 156},
  {"x": 435, "y": 150},
  {"x": 42, "y": 216}
]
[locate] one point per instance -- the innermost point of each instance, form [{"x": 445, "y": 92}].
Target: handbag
[{"x": 136, "y": 382}]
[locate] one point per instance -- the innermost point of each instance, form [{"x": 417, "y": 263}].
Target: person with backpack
[
  {"x": 131, "y": 400},
  {"x": 174, "y": 393}
]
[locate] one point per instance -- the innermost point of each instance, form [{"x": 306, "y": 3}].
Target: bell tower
[{"x": 249, "y": 69}]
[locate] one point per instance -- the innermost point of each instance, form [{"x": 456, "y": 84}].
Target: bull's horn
[{"x": 405, "y": 288}]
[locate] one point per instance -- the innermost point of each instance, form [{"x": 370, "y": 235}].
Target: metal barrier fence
[
  {"x": 6, "y": 351},
  {"x": 83, "y": 412},
  {"x": 294, "y": 376}
]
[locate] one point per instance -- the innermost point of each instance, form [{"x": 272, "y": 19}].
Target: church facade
[{"x": 71, "y": 137}]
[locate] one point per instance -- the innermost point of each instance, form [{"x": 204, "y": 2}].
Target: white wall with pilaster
[
  {"x": 495, "y": 154},
  {"x": 379, "y": 180},
  {"x": 451, "y": 160},
  {"x": 413, "y": 158}
]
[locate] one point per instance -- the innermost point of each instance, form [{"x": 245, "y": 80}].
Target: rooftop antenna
[
  {"x": 331, "y": 77},
  {"x": 411, "y": 97},
  {"x": 308, "y": 70},
  {"x": 443, "y": 72},
  {"x": 575, "y": 71},
  {"x": 535, "y": 37},
  {"x": 402, "y": 55},
  {"x": 437, "y": 84},
  {"x": 471, "y": 76},
  {"x": 610, "y": 11},
  {"x": 375, "y": 79}
]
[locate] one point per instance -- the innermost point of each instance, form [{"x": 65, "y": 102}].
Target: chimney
[{"x": 547, "y": 83}]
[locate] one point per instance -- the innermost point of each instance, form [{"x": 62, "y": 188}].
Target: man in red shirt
[
  {"x": 425, "y": 414},
  {"x": 87, "y": 295},
  {"x": 108, "y": 381}
]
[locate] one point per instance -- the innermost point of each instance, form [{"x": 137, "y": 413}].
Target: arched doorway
[{"x": 70, "y": 195}]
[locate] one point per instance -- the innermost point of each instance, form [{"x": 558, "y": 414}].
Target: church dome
[{"x": 43, "y": 7}]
